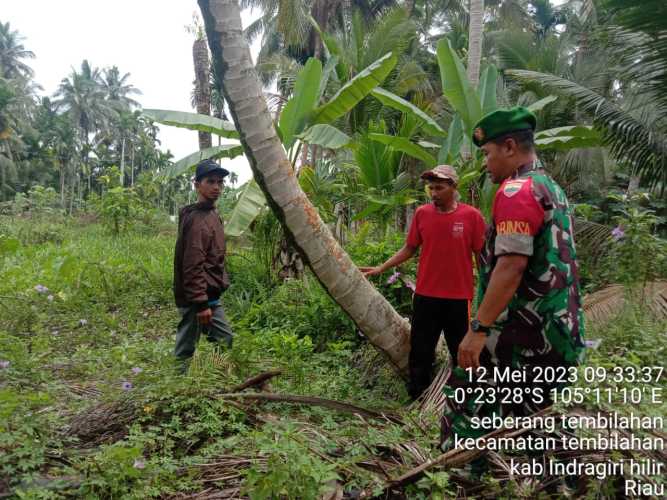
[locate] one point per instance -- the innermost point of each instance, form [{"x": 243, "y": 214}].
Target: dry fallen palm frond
[
  {"x": 85, "y": 390},
  {"x": 313, "y": 401},
  {"x": 258, "y": 380},
  {"x": 433, "y": 399},
  {"x": 602, "y": 306},
  {"x": 209, "y": 494},
  {"x": 106, "y": 422},
  {"x": 220, "y": 362},
  {"x": 415, "y": 454},
  {"x": 456, "y": 457},
  {"x": 226, "y": 471}
]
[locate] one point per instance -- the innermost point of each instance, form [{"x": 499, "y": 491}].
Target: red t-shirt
[{"x": 447, "y": 242}]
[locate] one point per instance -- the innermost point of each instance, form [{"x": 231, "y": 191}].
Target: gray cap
[{"x": 441, "y": 172}]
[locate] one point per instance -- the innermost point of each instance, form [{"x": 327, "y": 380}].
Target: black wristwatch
[{"x": 476, "y": 326}]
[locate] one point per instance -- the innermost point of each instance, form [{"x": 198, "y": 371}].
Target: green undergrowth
[
  {"x": 90, "y": 402},
  {"x": 91, "y": 405}
]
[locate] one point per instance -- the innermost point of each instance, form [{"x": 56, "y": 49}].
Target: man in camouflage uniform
[{"x": 530, "y": 309}]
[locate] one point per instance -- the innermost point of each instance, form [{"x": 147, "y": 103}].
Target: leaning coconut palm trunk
[{"x": 371, "y": 312}]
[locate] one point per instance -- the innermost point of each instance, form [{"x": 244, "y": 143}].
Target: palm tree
[
  {"x": 16, "y": 104},
  {"x": 83, "y": 98},
  {"x": 273, "y": 172},
  {"x": 202, "y": 93},
  {"x": 12, "y": 52},
  {"x": 117, "y": 89},
  {"x": 7, "y": 136},
  {"x": 475, "y": 40},
  {"x": 58, "y": 141},
  {"x": 287, "y": 30},
  {"x": 360, "y": 43},
  {"x": 623, "y": 97}
]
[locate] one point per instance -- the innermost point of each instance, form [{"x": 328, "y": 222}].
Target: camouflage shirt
[{"x": 543, "y": 323}]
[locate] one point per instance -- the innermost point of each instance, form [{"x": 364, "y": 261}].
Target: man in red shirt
[{"x": 449, "y": 233}]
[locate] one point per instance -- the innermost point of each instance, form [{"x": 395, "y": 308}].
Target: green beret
[{"x": 501, "y": 122}]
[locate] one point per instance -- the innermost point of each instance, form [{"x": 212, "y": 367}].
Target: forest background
[{"x": 364, "y": 96}]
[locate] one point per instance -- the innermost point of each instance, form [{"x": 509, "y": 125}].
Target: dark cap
[
  {"x": 501, "y": 122},
  {"x": 209, "y": 167}
]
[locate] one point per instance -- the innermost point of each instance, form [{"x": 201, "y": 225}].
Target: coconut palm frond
[
  {"x": 411, "y": 77},
  {"x": 392, "y": 32},
  {"x": 275, "y": 102},
  {"x": 293, "y": 22},
  {"x": 279, "y": 67},
  {"x": 629, "y": 138},
  {"x": 592, "y": 239},
  {"x": 513, "y": 13},
  {"x": 255, "y": 29},
  {"x": 604, "y": 305},
  {"x": 650, "y": 18},
  {"x": 513, "y": 50},
  {"x": 583, "y": 170}
]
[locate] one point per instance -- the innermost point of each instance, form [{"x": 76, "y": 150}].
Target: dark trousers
[
  {"x": 189, "y": 331},
  {"x": 430, "y": 316}
]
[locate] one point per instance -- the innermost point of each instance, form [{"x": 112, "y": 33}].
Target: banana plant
[
  {"x": 302, "y": 120},
  {"x": 469, "y": 106},
  {"x": 200, "y": 123}
]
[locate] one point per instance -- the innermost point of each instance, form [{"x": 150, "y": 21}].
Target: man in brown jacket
[{"x": 199, "y": 266}]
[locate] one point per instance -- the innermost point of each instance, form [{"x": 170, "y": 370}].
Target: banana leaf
[
  {"x": 249, "y": 205},
  {"x": 355, "y": 90},
  {"x": 487, "y": 89},
  {"x": 542, "y": 103},
  {"x": 304, "y": 99},
  {"x": 192, "y": 121},
  {"x": 326, "y": 136},
  {"x": 456, "y": 86},
  {"x": 329, "y": 68},
  {"x": 452, "y": 146},
  {"x": 184, "y": 164},
  {"x": 404, "y": 145},
  {"x": 430, "y": 126}
]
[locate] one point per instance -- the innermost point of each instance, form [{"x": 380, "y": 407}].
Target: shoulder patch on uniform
[{"x": 510, "y": 188}]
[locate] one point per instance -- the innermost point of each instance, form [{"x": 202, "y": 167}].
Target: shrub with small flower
[
  {"x": 637, "y": 254},
  {"x": 397, "y": 285}
]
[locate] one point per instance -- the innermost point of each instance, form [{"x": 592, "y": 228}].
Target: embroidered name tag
[{"x": 513, "y": 227}]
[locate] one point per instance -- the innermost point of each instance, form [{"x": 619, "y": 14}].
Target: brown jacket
[{"x": 199, "y": 259}]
